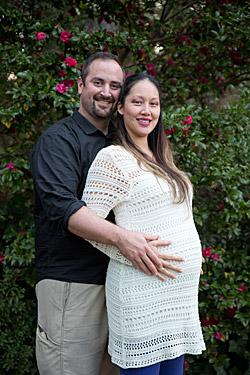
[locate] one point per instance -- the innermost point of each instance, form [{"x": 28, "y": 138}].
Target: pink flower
[
  {"x": 23, "y": 232},
  {"x": 195, "y": 20},
  {"x": 91, "y": 31},
  {"x": 65, "y": 36},
  {"x": 127, "y": 74},
  {"x": 206, "y": 252},
  {"x": 215, "y": 257},
  {"x": 188, "y": 121},
  {"x": 40, "y": 35},
  {"x": 141, "y": 22},
  {"x": 61, "y": 88},
  {"x": 203, "y": 283},
  {"x": 221, "y": 297},
  {"x": 61, "y": 73},
  {"x": 241, "y": 288},
  {"x": 218, "y": 335},
  {"x": 68, "y": 82},
  {"x": 11, "y": 166},
  {"x": 70, "y": 62},
  {"x": 1, "y": 256},
  {"x": 56, "y": 26}
]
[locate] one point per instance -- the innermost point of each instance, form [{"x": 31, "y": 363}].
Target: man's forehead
[{"x": 105, "y": 68}]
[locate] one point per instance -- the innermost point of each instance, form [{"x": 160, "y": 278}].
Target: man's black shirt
[{"x": 60, "y": 161}]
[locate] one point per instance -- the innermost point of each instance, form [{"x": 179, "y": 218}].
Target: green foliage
[{"x": 199, "y": 51}]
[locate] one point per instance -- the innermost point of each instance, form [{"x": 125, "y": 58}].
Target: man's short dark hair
[{"x": 99, "y": 56}]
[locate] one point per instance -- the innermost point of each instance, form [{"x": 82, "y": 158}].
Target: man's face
[{"x": 99, "y": 96}]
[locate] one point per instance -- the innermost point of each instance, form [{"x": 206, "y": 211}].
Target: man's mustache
[{"x": 101, "y": 97}]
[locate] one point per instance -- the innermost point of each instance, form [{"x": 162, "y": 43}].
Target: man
[{"x": 70, "y": 273}]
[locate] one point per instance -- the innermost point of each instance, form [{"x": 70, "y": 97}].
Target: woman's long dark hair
[{"x": 159, "y": 144}]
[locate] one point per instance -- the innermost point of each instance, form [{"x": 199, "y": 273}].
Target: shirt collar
[{"x": 87, "y": 127}]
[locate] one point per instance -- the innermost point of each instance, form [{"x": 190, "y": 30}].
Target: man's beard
[{"x": 99, "y": 113}]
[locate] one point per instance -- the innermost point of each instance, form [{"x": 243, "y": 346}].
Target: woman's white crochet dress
[{"x": 149, "y": 320}]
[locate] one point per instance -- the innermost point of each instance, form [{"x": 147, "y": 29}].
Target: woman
[{"x": 152, "y": 323}]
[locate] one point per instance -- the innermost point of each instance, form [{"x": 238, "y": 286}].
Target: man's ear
[
  {"x": 120, "y": 108},
  {"x": 80, "y": 85}
]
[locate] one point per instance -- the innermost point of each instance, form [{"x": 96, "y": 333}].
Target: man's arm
[{"x": 133, "y": 245}]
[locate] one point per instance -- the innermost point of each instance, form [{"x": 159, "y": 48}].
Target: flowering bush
[{"x": 197, "y": 50}]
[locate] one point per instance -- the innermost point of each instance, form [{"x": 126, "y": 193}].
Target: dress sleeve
[{"x": 106, "y": 187}]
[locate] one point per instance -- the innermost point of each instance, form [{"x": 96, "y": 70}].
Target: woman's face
[{"x": 141, "y": 110}]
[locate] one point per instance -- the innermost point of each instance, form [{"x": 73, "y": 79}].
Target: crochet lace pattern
[{"x": 149, "y": 320}]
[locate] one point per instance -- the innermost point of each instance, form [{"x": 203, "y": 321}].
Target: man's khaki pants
[{"x": 72, "y": 329}]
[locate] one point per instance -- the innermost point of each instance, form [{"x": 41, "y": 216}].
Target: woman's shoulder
[{"x": 116, "y": 152}]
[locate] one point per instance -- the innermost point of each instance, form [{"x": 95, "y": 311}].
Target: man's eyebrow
[{"x": 102, "y": 80}]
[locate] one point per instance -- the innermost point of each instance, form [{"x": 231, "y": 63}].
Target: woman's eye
[{"x": 155, "y": 104}]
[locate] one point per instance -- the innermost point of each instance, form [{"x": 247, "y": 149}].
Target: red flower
[
  {"x": 142, "y": 53},
  {"x": 188, "y": 121},
  {"x": 61, "y": 88},
  {"x": 215, "y": 257},
  {"x": 206, "y": 252},
  {"x": 129, "y": 40},
  {"x": 218, "y": 335},
  {"x": 111, "y": 33},
  {"x": 65, "y": 36},
  {"x": 38, "y": 14},
  {"x": 231, "y": 312},
  {"x": 219, "y": 79},
  {"x": 70, "y": 62},
  {"x": 68, "y": 82},
  {"x": 1, "y": 256},
  {"x": 241, "y": 288},
  {"x": 195, "y": 20},
  {"x": 61, "y": 73},
  {"x": 11, "y": 166},
  {"x": 105, "y": 49},
  {"x": 151, "y": 69},
  {"x": 40, "y": 35},
  {"x": 141, "y": 22},
  {"x": 170, "y": 62},
  {"x": 171, "y": 131},
  {"x": 203, "y": 50},
  {"x": 221, "y": 207},
  {"x": 204, "y": 80}
]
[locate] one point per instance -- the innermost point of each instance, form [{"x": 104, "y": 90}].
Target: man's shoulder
[{"x": 65, "y": 124}]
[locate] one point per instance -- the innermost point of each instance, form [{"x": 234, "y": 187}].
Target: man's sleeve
[{"x": 56, "y": 169}]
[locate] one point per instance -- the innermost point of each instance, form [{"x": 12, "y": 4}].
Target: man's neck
[{"x": 100, "y": 123}]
